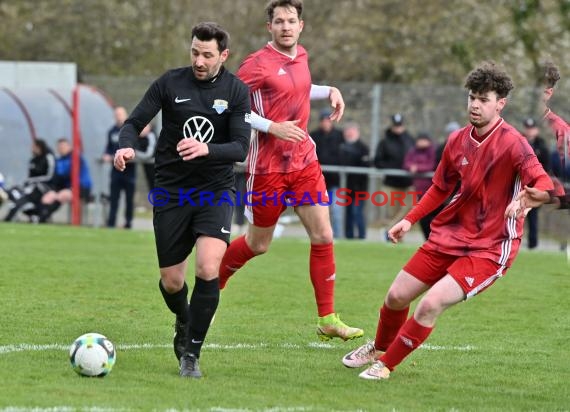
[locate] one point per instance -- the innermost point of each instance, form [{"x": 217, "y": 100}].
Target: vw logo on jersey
[{"x": 199, "y": 128}]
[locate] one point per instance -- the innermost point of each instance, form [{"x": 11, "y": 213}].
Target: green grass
[{"x": 503, "y": 350}]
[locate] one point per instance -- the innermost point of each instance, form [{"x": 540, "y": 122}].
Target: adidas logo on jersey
[
  {"x": 281, "y": 72},
  {"x": 464, "y": 162},
  {"x": 469, "y": 281}
]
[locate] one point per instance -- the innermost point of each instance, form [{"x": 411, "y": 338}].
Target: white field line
[{"x": 26, "y": 347}]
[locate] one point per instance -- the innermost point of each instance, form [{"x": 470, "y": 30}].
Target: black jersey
[{"x": 216, "y": 112}]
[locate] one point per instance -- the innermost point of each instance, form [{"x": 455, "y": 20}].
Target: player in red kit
[
  {"x": 561, "y": 131},
  {"x": 282, "y": 161},
  {"x": 474, "y": 239}
]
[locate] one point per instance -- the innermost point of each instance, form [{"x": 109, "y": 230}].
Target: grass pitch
[{"x": 504, "y": 350}]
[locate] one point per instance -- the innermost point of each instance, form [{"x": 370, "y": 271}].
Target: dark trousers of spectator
[
  {"x": 354, "y": 217},
  {"x": 118, "y": 184},
  {"x": 532, "y": 224}
]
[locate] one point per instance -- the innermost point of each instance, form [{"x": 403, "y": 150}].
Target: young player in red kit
[
  {"x": 473, "y": 240},
  {"x": 282, "y": 160},
  {"x": 561, "y": 131}
]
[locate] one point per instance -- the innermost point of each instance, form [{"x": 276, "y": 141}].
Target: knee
[
  {"x": 171, "y": 282},
  {"x": 397, "y": 299},
  {"x": 428, "y": 309},
  {"x": 258, "y": 247},
  {"x": 208, "y": 270},
  {"x": 323, "y": 236}
]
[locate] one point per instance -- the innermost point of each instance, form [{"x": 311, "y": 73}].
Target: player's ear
[
  {"x": 224, "y": 55},
  {"x": 548, "y": 93},
  {"x": 501, "y": 104}
]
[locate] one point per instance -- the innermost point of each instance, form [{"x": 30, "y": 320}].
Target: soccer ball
[{"x": 92, "y": 354}]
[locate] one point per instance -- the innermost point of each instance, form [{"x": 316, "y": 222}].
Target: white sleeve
[
  {"x": 319, "y": 92},
  {"x": 260, "y": 123}
]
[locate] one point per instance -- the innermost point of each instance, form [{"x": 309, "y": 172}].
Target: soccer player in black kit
[{"x": 205, "y": 129}]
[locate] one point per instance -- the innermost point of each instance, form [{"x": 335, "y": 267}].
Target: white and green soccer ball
[{"x": 92, "y": 354}]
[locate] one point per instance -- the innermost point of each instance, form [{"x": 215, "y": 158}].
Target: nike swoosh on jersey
[
  {"x": 224, "y": 230},
  {"x": 179, "y": 100}
]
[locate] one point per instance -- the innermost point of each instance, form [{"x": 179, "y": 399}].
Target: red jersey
[
  {"x": 280, "y": 89},
  {"x": 491, "y": 173},
  {"x": 562, "y": 132}
]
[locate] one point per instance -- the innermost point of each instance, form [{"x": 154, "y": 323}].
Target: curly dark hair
[
  {"x": 270, "y": 8},
  {"x": 207, "y": 31},
  {"x": 489, "y": 77},
  {"x": 550, "y": 73}
]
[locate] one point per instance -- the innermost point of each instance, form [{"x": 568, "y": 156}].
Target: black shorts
[{"x": 176, "y": 228}]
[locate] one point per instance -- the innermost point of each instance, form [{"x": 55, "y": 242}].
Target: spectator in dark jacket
[
  {"x": 353, "y": 152},
  {"x": 540, "y": 147},
  {"x": 40, "y": 178},
  {"x": 390, "y": 154},
  {"x": 327, "y": 140},
  {"x": 421, "y": 159},
  {"x": 120, "y": 181}
]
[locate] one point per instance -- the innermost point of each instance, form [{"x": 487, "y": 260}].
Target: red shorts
[
  {"x": 473, "y": 274},
  {"x": 268, "y": 195}
]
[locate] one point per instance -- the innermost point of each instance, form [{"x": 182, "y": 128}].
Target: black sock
[
  {"x": 47, "y": 210},
  {"x": 177, "y": 302},
  {"x": 203, "y": 305}
]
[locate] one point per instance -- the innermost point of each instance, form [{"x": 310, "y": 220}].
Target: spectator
[
  {"x": 145, "y": 153},
  {"x": 61, "y": 192},
  {"x": 353, "y": 152},
  {"x": 421, "y": 159},
  {"x": 40, "y": 176},
  {"x": 390, "y": 154},
  {"x": 119, "y": 181},
  {"x": 328, "y": 139},
  {"x": 538, "y": 144}
]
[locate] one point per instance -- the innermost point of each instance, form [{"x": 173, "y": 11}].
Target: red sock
[
  {"x": 236, "y": 256},
  {"x": 410, "y": 336},
  {"x": 389, "y": 324},
  {"x": 322, "y": 270}
]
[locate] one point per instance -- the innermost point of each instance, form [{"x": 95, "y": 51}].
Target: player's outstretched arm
[
  {"x": 122, "y": 157},
  {"x": 337, "y": 103},
  {"x": 398, "y": 231}
]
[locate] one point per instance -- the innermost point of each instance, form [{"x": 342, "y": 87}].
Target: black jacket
[
  {"x": 327, "y": 145},
  {"x": 390, "y": 154},
  {"x": 355, "y": 154}
]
